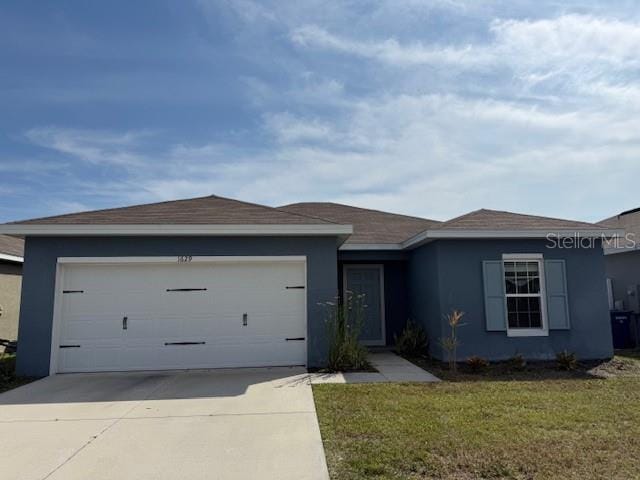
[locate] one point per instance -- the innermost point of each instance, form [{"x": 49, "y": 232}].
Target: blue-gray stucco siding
[
  {"x": 424, "y": 296},
  {"x": 41, "y": 253},
  {"x": 447, "y": 274},
  {"x": 424, "y": 284}
]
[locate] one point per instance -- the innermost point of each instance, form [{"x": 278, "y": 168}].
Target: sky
[{"x": 429, "y": 108}]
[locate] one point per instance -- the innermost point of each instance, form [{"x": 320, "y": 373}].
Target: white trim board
[
  {"x": 428, "y": 235},
  {"x": 371, "y": 246},
  {"x": 380, "y": 267},
  {"x": 11, "y": 258},
  {"x": 610, "y": 297},
  {"x": 173, "y": 230},
  {"x": 181, "y": 259},
  {"x": 617, "y": 251},
  {"x": 431, "y": 235},
  {"x": 522, "y": 256}
]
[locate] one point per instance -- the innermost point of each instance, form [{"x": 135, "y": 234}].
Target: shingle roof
[
  {"x": 11, "y": 245},
  {"x": 628, "y": 221},
  {"x": 612, "y": 222},
  {"x": 212, "y": 210},
  {"x": 497, "y": 220},
  {"x": 369, "y": 226}
]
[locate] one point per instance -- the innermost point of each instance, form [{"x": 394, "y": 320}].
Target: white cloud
[
  {"x": 552, "y": 135},
  {"x": 431, "y": 155},
  {"x": 570, "y": 39},
  {"x": 389, "y": 50},
  {"x": 536, "y": 49},
  {"x": 97, "y": 147},
  {"x": 289, "y": 129},
  {"x": 64, "y": 206},
  {"x": 247, "y": 10},
  {"x": 308, "y": 89}
]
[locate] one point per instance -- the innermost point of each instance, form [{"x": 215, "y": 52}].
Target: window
[{"x": 524, "y": 290}]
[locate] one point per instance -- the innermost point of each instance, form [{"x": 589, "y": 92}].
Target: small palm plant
[{"x": 451, "y": 342}]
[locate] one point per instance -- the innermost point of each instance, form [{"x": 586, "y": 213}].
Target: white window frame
[
  {"x": 610, "y": 298},
  {"x": 528, "y": 332}
]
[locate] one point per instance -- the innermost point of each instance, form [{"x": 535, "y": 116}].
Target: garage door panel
[
  {"x": 261, "y": 324},
  {"x": 144, "y": 357},
  {"x": 91, "y": 329},
  {"x": 98, "y": 358},
  {"x": 86, "y": 303},
  {"x": 213, "y": 317},
  {"x": 111, "y": 279}
]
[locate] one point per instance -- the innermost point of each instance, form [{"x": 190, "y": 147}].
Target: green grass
[
  {"x": 8, "y": 378},
  {"x": 546, "y": 428}
]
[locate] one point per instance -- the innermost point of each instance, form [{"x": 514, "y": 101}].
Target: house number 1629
[{"x": 184, "y": 258}]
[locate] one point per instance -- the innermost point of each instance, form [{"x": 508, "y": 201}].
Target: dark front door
[{"x": 367, "y": 280}]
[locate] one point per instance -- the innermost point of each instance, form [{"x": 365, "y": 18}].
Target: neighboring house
[
  {"x": 622, "y": 259},
  {"x": 214, "y": 282},
  {"x": 11, "y": 252}
]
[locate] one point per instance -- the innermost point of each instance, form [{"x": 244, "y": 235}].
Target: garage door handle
[
  {"x": 125, "y": 321},
  {"x": 295, "y": 339}
]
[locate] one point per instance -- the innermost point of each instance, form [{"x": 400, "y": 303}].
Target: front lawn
[{"x": 564, "y": 428}]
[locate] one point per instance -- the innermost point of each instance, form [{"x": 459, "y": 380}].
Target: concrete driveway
[{"x": 216, "y": 424}]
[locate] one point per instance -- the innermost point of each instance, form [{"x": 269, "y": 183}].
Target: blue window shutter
[
  {"x": 555, "y": 272},
  {"x": 494, "y": 296}
]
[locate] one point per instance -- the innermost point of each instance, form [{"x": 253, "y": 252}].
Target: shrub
[
  {"x": 413, "y": 340},
  {"x": 450, "y": 344},
  {"x": 477, "y": 364},
  {"x": 7, "y": 367},
  {"x": 517, "y": 362},
  {"x": 344, "y": 324},
  {"x": 566, "y": 360}
]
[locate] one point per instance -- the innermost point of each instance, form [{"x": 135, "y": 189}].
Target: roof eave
[
  {"x": 372, "y": 246},
  {"x": 429, "y": 235},
  {"x": 617, "y": 251},
  {"x": 176, "y": 230}
]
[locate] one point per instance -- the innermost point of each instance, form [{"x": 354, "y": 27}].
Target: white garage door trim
[{"x": 63, "y": 261}]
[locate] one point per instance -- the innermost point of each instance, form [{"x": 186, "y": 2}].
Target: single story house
[
  {"x": 215, "y": 282},
  {"x": 622, "y": 261},
  {"x": 11, "y": 257}
]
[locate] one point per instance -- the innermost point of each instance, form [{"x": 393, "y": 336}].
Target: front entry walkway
[
  {"x": 390, "y": 368},
  {"x": 215, "y": 424}
]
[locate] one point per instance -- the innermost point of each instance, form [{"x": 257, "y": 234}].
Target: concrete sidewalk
[
  {"x": 224, "y": 424},
  {"x": 391, "y": 368}
]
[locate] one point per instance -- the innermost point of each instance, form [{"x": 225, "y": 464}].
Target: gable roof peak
[
  {"x": 208, "y": 210},
  {"x": 486, "y": 219}
]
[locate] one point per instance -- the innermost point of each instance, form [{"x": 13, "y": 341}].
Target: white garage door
[{"x": 193, "y": 313}]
